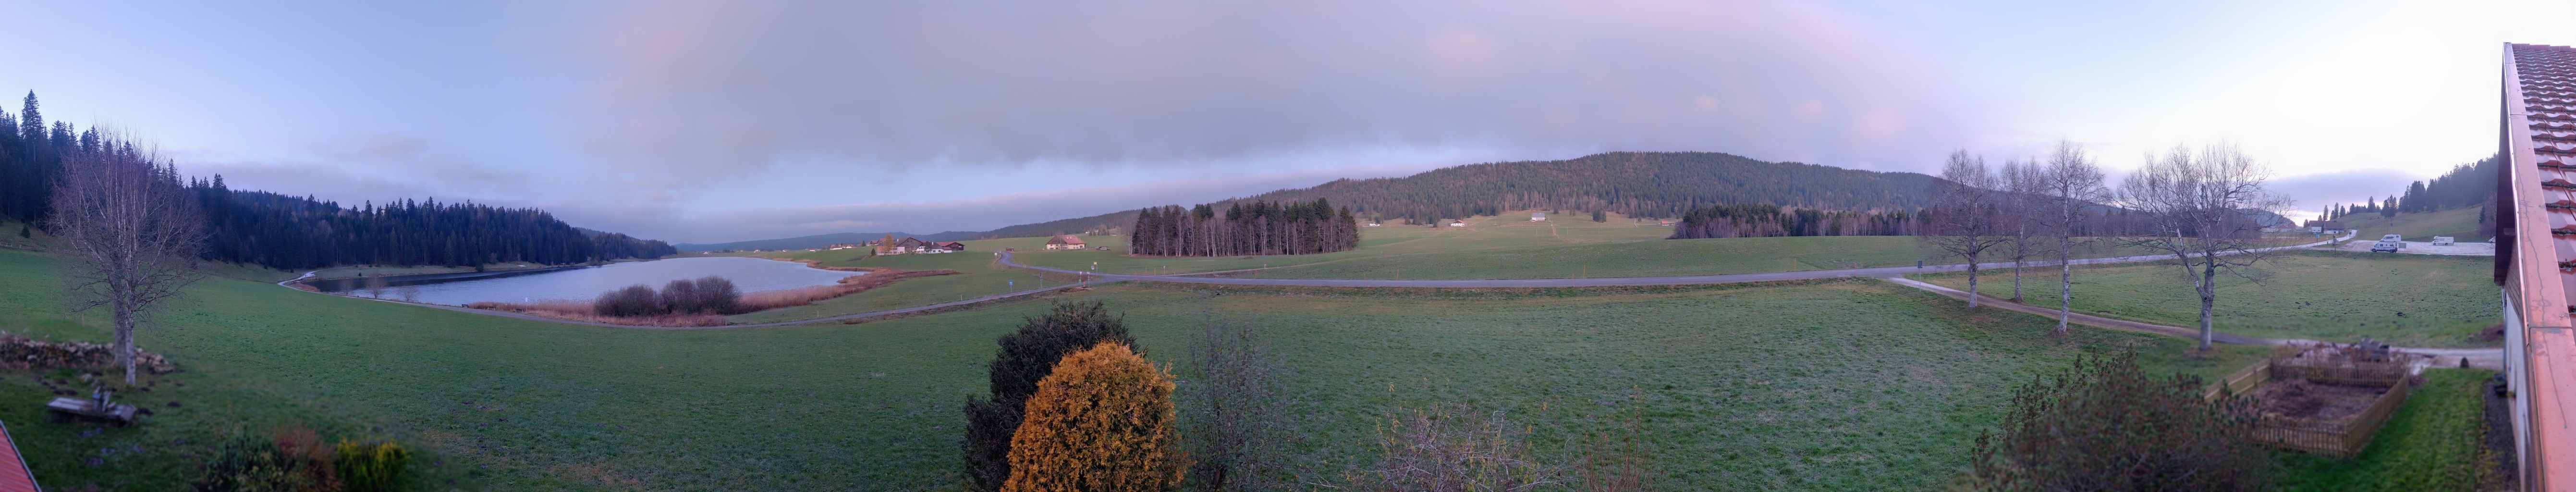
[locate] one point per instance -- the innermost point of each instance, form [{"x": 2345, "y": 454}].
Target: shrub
[
  {"x": 1235, "y": 411},
  {"x": 1101, "y": 422},
  {"x": 1443, "y": 449},
  {"x": 2106, "y": 425},
  {"x": 1026, "y": 357},
  {"x": 291, "y": 461},
  {"x": 681, "y": 296},
  {"x": 634, "y": 300},
  {"x": 371, "y": 468},
  {"x": 717, "y": 295}
]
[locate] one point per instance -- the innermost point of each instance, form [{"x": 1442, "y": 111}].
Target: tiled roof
[
  {"x": 14, "y": 476},
  {"x": 2536, "y": 257}
]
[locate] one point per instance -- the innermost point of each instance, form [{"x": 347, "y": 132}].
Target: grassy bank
[
  {"x": 1867, "y": 387},
  {"x": 977, "y": 275},
  {"x": 2461, "y": 223},
  {"x": 2408, "y": 300}
]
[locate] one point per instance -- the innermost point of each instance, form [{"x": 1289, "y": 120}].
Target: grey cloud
[
  {"x": 2315, "y": 191},
  {"x": 687, "y": 91},
  {"x": 670, "y": 223}
]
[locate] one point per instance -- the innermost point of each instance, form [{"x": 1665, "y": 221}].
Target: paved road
[{"x": 1880, "y": 272}]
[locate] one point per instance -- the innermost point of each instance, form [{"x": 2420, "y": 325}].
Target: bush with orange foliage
[{"x": 1101, "y": 422}]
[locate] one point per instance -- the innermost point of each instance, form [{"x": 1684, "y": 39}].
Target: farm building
[
  {"x": 2326, "y": 226},
  {"x": 1067, "y": 241},
  {"x": 905, "y": 245}
]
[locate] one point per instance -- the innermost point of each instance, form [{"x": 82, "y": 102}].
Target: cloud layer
[{"x": 691, "y": 91}]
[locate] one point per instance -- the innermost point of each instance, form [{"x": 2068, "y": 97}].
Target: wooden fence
[
  {"x": 2342, "y": 439},
  {"x": 2244, "y": 380}
]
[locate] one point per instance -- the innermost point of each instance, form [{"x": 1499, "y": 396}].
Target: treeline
[
  {"x": 1255, "y": 228},
  {"x": 2466, "y": 185},
  {"x": 283, "y": 231},
  {"x": 31, "y": 159},
  {"x": 300, "y": 232},
  {"x": 1775, "y": 221}
]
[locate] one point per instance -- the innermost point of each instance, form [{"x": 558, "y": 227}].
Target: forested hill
[
  {"x": 299, "y": 232},
  {"x": 285, "y": 231},
  {"x": 1642, "y": 184}
]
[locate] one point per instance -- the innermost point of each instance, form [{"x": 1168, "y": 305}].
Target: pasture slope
[{"x": 2461, "y": 223}]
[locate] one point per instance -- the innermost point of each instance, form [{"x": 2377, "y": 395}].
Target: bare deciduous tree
[
  {"x": 128, "y": 233},
  {"x": 2019, "y": 203},
  {"x": 2071, "y": 184},
  {"x": 1234, "y": 410},
  {"x": 2197, "y": 208},
  {"x": 1965, "y": 221}
]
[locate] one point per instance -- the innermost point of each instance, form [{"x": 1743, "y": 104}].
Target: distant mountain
[
  {"x": 1639, "y": 184},
  {"x": 820, "y": 240}
]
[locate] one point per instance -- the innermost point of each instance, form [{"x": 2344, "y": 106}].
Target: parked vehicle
[
  {"x": 2386, "y": 246},
  {"x": 2392, "y": 238},
  {"x": 2444, "y": 241}
]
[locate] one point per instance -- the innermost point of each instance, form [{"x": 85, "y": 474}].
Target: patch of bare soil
[{"x": 2301, "y": 401}]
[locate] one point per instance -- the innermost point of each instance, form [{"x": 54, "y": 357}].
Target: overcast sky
[{"x": 722, "y": 121}]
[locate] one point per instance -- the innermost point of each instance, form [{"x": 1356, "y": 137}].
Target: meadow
[
  {"x": 977, "y": 275},
  {"x": 1511, "y": 247},
  {"x": 2405, "y": 300},
  {"x": 2460, "y": 223},
  {"x": 1871, "y": 387}
]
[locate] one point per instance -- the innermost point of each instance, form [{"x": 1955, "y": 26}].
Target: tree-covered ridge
[
  {"x": 2467, "y": 185},
  {"x": 284, "y": 231},
  {"x": 1774, "y": 221},
  {"x": 300, "y": 232},
  {"x": 1637, "y": 184},
  {"x": 1255, "y": 228}
]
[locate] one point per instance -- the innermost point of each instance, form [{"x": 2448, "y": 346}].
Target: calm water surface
[{"x": 748, "y": 274}]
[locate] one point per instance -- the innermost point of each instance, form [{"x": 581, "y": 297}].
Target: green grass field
[
  {"x": 2461, "y": 223},
  {"x": 978, "y": 275},
  {"x": 1512, "y": 247},
  {"x": 2406, "y": 300},
  {"x": 2436, "y": 441},
  {"x": 1868, "y": 387}
]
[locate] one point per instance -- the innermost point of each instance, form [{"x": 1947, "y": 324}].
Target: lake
[{"x": 585, "y": 283}]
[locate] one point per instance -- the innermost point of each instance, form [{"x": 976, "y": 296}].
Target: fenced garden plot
[{"x": 2323, "y": 401}]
